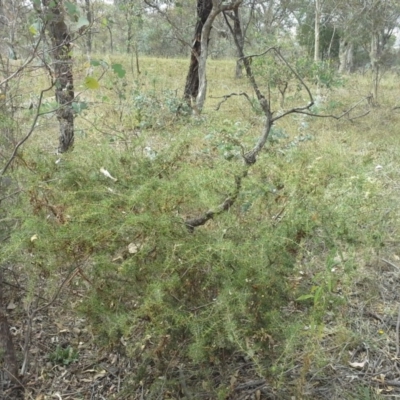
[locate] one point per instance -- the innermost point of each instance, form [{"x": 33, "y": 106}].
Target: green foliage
[
  {"x": 329, "y": 38},
  {"x": 281, "y": 80},
  {"x": 64, "y": 356},
  {"x": 322, "y": 73}
]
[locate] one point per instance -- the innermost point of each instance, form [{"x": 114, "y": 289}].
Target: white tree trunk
[
  {"x": 374, "y": 58},
  {"x": 218, "y": 7},
  {"x": 205, "y": 35},
  {"x": 317, "y": 31}
]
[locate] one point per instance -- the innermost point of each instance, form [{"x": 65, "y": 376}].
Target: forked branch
[{"x": 250, "y": 157}]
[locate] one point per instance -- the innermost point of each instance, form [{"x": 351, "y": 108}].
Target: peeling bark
[{"x": 204, "y": 8}]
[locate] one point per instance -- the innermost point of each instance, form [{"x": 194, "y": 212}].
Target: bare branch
[
  {"x": 24, "y": 65},
  {"x": 32, "y": 128},
  {"x": 227, "y": 96},
  {"x": 168, "y": 19}
]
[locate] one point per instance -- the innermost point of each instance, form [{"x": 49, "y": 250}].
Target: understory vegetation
[{"x": 274, "y": 292}]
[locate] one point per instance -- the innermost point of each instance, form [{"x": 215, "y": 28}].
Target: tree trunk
[
  {"x": 111, "y": 39},
  {"x": 201, "y": 95},
  {"x": 89, "y": 30},
  {"x": 61, "y": 53},
  {"x": 129, "y": 35},
  {"x": 204, "y": 8},
  {"x": 374, "y": 58},
  {"x": 239, "y": 38},
  {"x": 317, "y": 31},
  {"x": 346, "y": 49},
  {"x": 8, "y": 359}
]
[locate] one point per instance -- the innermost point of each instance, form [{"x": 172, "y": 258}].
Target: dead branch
[
  {"x": 32, "y": 128},
  {"x": 250, "y": 157},
  {"x": 24, "y": 65},
  {"x": 193, "y": 223},
  {"x": 227, "y": 96}
]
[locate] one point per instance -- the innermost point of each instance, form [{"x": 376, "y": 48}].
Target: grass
[{"x": 280, "y": 283}]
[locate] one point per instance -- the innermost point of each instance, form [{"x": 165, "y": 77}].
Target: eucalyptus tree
[
  {"x": 379, "y": 18},
  {"x": 371, "y": 23},
  {"x": 200, "y": 47}
]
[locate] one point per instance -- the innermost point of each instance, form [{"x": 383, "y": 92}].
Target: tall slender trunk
[
  {"x": 129, "y": 35},
  {"x": 111, "y": 39},
  {"x": 374, "y": 55},
  {"x": 205, "y": 35},
  {"x": 64, "y": 83},
  {"x": 317, "y": 31},
  {"x": 89, "y": 31},
  {"x": 204, "y": 8}
]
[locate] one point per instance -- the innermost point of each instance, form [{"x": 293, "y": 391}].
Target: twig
[
  {"x": 249, "y": 385},
  {"x": 32, "y": 128},
  {"x": 10, "y": 195},
  {"x": 391, "y": 264},
  {"x": 179, "y": 36},
  {"x": 398, "y": 335},
  {"x": 24, "y": 65},
  {"x": 227, "y": 96},
  {"x": 73, "y": 273}
]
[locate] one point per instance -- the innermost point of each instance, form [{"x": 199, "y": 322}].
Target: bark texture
[
  {"x": 64, "y": 83},
  {"x": 204, "y": 8},
  {"x": 8, "y": 359},
  {"x": 89, "y": 31},
  {"x": 346, "y": 50}
]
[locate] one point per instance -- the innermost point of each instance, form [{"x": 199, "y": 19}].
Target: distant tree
[
  {"x": 372, "y": 24},
  {"x": 89, "y": 16}
]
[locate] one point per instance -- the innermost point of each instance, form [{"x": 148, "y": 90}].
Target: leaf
[
  {"x": 358, "y": 365},
  {"x": 11, "y": 305},
  {"x": 305, "y": 297},
  {"x": 34, "y": 237},
  {"x": 79, "y": 106},
  {"x": 82, "y": 21},
  {"x": 95, "y": 63},
  {"x": 72, "y": 9},
  {"x": 33, "y": 30},
  {"x": 133, "y": 248},
  {"x": 119, "y": 70},
  {"x": 107, "y": 174},
  {"x": 91, "y": 83}
]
